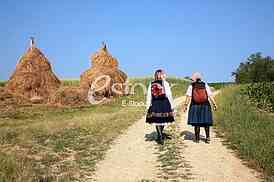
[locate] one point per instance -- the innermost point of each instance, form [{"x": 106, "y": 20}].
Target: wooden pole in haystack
[
  {"x": 32, "y": 42},
  {"x": 104, "y": 46}
]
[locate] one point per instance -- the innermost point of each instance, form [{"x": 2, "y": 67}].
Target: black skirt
[
  {"x": 200, "y": 115},
  {"x": 160, "y": 112}
]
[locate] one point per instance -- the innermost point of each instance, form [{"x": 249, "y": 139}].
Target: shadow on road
[
  {"x": 188, "y": 135},
  {"x": 151, "y": 136}
]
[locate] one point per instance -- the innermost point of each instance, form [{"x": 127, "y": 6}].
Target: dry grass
[{"x": 63, "y": 143}]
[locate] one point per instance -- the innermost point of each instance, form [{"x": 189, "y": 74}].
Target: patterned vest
[{"x": 157, "y": 89}]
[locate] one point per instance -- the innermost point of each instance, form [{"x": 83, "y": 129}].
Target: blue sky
[{"x": 210, "y": 36}]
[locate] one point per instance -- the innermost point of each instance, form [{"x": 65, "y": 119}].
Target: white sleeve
[
  {"x": 208, "y": 90},
  {"x": 189, "y": 91},
  {"x": 169, "y": 94},
  {"x": 148, "y": 102}
]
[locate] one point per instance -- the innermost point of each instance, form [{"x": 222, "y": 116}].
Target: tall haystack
[
  {"x": 33, "y": 77},
  {"x": 104, "y": 76}
]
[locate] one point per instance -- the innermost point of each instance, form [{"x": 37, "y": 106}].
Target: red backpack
[{"x": 199, "y": 94}]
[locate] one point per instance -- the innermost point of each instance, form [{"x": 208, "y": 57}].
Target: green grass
[
  {"x": 2, "y": 83},
  {"x": 42, "y": 143},
  {"x": 246, "y": 130},
  {"x": 220, "y": 85},
  {"x": 71, "y": 82}
]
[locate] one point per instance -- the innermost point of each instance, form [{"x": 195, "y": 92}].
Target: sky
[{"x": 179, "y": 36}]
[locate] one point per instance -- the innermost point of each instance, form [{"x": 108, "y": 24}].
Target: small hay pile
[
  {"x": 69, "y": 96},
  {"x": 104, "y": 75},
  {"x": 7, "y": 99},
  {"x": 33, "y": 77}
]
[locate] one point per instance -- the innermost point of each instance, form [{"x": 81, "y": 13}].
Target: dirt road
[
  {"x": 133, "y": 157},
  {"x": 213, "y": 162}
]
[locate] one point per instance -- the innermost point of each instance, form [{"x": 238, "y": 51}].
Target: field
[
  {"x": 247, "y": 130},
  {"x": 40, "y": 143}
]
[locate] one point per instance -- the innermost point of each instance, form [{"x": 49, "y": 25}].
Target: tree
[{"x": 255, "y": 69}]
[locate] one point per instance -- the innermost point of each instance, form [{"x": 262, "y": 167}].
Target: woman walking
[
  {"x": 200, "y": 115},
  {"x": 159, "y": 104}
]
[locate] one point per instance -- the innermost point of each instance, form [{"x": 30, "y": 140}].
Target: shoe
[
  {"x": 197, "y": 139},
  {"x": 160, "y": 140},
  {"x": 207, "y": 140},
  {"x": 166, "y": 136}
]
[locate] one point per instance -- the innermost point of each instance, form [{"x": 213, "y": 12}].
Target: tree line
[{"x": 256, "y": 68}]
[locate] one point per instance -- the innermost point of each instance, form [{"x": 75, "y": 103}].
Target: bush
[{"x": 262, "y": 94}]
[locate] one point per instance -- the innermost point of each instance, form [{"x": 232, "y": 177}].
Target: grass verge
[{"x": 246, "y": 130}]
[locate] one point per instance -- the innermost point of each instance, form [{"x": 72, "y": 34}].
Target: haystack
[
  {"x": 104, "y": 77},
  {"x": 8, "y": 100},
  {"x": 69, "y": 96},
  {"x": 33, "y": 77}
]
